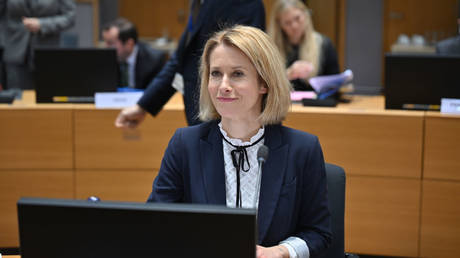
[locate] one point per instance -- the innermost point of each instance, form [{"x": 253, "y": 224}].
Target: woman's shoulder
[
  {"x": 295, "y": 136},
  {"x": 196, "y": 130}
]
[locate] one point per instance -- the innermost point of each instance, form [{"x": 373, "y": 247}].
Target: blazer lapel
[
  {"x": 212, "y": 161},
  {"x": 272, "y": 178}
]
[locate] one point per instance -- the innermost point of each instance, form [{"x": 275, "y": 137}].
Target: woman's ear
[{"x": 263, "y": 88}]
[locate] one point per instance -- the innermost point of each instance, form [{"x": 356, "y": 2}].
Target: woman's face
[
  {"x": 234, "y": 85},
  {"x": 292, "y": 22}
]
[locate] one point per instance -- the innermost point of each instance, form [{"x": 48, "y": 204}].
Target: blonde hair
[
  {"x": 265, "y": 57},
  {"x": 309, "y": 47}
]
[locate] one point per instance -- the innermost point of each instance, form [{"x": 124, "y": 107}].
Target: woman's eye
[
  {"x": 215, "y": 73},
  {"x": 238, "y": 73}
]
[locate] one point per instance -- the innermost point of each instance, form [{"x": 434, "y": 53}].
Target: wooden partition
[{"x": 440, "y": 224}]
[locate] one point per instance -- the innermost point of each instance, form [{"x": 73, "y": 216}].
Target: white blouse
[{"x": 248, "y": 180}]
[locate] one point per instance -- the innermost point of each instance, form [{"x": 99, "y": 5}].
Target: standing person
[
  {"x": 206, "y": 17},
  {"x": 244, "y": 98},
  {"x": 139, "y": 63},
  {"x": 30, "y": 24},
  {"x": 307, "y": 52}
]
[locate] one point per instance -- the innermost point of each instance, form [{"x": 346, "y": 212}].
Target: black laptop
[
  {"x": 418, "y": 82},
  {"x": 73, "y": 75},
  {"x": 52, "y": 228}
]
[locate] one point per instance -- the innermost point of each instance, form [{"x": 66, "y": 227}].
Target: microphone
[{"x": 262, "y": 155}]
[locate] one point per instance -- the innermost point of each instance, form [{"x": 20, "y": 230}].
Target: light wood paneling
[
  {"x": 325, "y": 17},
  {"x": 367, "y": 144},
  {"x": 35, "y": 139},
  {"x": 114, "y": 185},
  {"x": 19, "y": 183},
  {"x": 382, "y": 216},
  {"x": 154, "y": 18},
  {"x": 98, "y": 144},
  {"x": 442, "y": 147},
  {"x": 440, "y": 228}
]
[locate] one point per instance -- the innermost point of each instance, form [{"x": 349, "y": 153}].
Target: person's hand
[
  {"x": 277, "y": 251},
  {"x": 130, "y": 117},
  {"x": 31, "y": 24},
  {"x": 300, "y": 69}
]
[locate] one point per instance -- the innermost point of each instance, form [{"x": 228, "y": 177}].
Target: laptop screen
[
  {"x": 75, "y": 229},
  {"x": 72, "y": 75},
  {"x": 419, "y": 82}
]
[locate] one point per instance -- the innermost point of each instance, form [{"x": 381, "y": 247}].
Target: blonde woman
[
  {"x": 243, "y": 100},
  {"x": 307, "y": 53}
]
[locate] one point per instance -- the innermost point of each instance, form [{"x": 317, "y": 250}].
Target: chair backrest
[{"x": 336, "y": 194}]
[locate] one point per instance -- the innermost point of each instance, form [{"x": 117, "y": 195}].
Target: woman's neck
[{"x": 242, "y": 130}]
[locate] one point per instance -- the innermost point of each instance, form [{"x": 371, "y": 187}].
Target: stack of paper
[{"x": 330, "y": 84}]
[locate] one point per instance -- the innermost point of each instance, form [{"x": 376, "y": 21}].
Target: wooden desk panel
[
  {"x": 440, "y": 227},
  {"x": 442, "y": 147},
  {"x": 133, "y": 186},
  {"x": 36, "y": 139},
  {"x": 20, "y": 183},
  {"x": 382, "y": 216},
  {"x": 98, "y": 144},
  {"x": 367, "y": 144}
]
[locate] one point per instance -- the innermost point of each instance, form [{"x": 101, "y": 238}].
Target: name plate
[
  {"x": 450, "y": 106},
  {"x": 116, "y": 99}
]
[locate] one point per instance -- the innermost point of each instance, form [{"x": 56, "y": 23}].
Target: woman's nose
[{"x": 225, "y": 85}]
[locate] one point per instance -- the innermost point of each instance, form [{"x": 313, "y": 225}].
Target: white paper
[
  {"x": 327, "y": 82},
  {"x": 116, "y": 99},
  {"x": 450, "y": 106}
]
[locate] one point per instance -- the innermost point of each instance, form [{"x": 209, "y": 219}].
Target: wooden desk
[{"x": 402, "y": 166}]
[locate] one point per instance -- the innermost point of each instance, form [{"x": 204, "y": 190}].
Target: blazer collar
[{"x": 273, "y": 171}]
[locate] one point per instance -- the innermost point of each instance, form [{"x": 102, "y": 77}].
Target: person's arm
[
  {"x": 156, "y": 95},
  {"x": 160, "y": 90},
  {"x": 60, "y": 21},
  {"x": 168, "y": 185}
]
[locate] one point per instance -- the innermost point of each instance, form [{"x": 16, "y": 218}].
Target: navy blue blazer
[
  {"x": 213, "y": 16},
  {"x": 293, "y": 195}
]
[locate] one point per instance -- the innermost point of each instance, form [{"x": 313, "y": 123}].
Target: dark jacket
[
  {"x": 149, "y": 63},
  {"x": 293, "y": 194}
]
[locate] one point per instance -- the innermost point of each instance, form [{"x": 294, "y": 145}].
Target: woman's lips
[{"x": 225, "y": 99}]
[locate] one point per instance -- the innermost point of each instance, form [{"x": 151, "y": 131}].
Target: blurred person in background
[
  {"x": 307, "y": 52},
  {"x": 138, "y": 62},
  {"x": 30, "y": 24}
]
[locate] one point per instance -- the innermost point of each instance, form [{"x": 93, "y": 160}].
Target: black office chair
[{"x": 336, "y": 194}]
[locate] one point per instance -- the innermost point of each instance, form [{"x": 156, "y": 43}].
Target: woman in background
[{"x": 307, "y": 53}]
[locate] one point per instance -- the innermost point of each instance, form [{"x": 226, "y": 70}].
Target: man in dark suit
[
  {"x": 139, "y": 63},
  {"x": 206, "y": 17}
]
